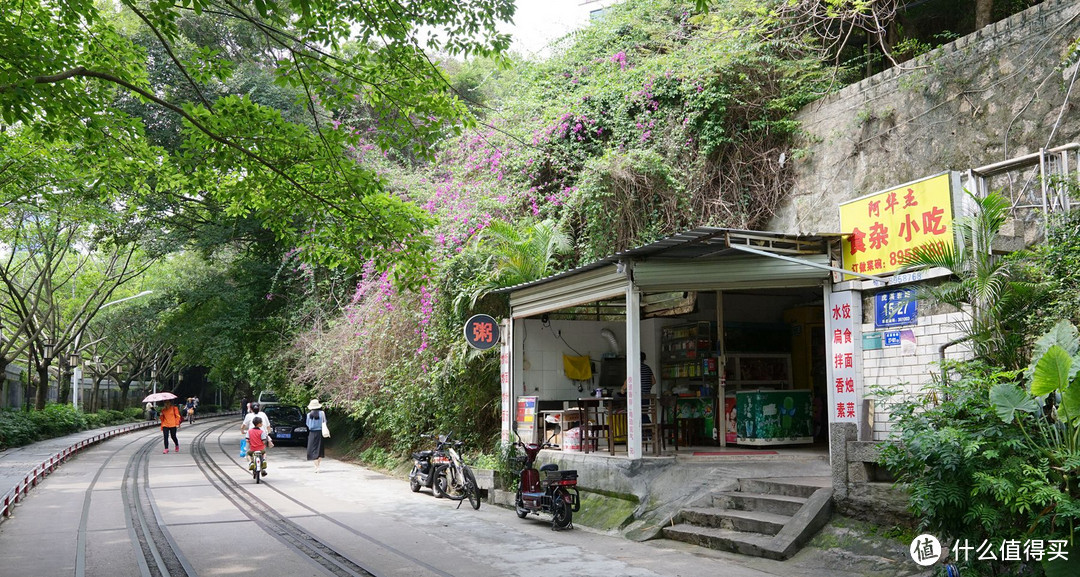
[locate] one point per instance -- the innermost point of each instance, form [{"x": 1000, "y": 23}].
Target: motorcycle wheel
[
  {"x": 519, "y": 506},
  {"x": 414, "y": 483},
  {"x": 561, "y": 515},
  {"x": 471, "y": 490},
  {"x": 439, "y": 485}
]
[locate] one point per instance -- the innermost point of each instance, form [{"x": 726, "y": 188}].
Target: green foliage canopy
[{"x": 63, "y": 64}]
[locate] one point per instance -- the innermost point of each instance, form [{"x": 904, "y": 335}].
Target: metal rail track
[{"x": 282, "y": 529}]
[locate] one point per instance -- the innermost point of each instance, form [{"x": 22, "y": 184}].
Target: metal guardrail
[{"x": 31, "y": 480}]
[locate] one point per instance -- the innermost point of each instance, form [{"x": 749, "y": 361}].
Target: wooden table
[{"x": 597, "y": 411}]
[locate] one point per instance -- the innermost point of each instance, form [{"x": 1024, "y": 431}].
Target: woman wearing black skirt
[{"x": 315, "y": 420}]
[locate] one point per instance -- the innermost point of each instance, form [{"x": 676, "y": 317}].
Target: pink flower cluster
[{"x": 620, "y": 59}]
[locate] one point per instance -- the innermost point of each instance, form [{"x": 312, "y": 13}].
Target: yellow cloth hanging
[{"x": 577, "y": 368}]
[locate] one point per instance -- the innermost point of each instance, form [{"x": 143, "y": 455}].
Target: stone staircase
[{"x": 770, "y": 518}]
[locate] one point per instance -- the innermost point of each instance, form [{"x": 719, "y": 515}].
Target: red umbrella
[{"x": 163, "y": 396}]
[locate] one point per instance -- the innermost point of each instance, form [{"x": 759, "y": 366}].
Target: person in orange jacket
[{"x": 170, "y": 422}]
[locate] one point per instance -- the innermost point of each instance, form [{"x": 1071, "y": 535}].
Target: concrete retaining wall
[
  {"x": 993, "y": 95},
  {"x": 857, "y": 490}
]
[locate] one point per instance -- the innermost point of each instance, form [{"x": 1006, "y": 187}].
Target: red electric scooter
[{"x": 548, "y": 490}]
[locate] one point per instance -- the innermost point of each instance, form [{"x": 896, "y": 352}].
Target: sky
[{"x": 538, "y": 22}]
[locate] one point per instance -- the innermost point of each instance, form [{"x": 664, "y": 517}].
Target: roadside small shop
[{"x": 731, "y": 323}]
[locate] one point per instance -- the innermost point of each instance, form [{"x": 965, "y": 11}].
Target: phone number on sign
[{"x": 903, "y": 256}]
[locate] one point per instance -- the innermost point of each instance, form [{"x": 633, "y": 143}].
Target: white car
[{"x": 267, "y": 398}]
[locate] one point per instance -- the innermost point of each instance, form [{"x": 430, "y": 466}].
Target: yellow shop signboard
[{"x": 883, "y": 228}]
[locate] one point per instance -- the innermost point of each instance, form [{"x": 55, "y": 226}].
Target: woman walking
[
  {"x": 170, "y": 422},
  {"x": 316, "y": 420}
]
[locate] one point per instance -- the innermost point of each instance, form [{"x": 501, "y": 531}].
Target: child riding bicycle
[{"x": 258, "y": 440}]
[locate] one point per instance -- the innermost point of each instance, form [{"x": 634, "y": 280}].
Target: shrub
[{"x": 18, "y": 428}]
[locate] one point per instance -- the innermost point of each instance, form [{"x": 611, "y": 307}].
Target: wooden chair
[
  {"x": 669, "y": 430},
  {"x": 618, "y": 428},
  {"x": 651, "y": 432},
  {"x": 593, "y": 427}
]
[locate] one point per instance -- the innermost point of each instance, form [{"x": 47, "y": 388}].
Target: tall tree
[{"x": 62, "y": 65}]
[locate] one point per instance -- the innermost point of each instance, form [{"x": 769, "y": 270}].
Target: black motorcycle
[{"x": 426, "y": 466}]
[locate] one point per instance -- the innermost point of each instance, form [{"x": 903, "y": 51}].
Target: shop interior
[{"x": 773, "y": 380}]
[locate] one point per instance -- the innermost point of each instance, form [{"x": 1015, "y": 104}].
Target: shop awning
[{"x": 705, "y": 258}]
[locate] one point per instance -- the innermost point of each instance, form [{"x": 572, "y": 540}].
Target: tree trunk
[
  {"x": 64, "y": 386},
  {"x": 43, "y": 387},
  {"x": 984, "y": 13},
  {"x": 125, "y": 386},
  {"x": 95, "y": 394}
]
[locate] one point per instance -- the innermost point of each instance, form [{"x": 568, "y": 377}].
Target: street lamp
[{"x": 76, "y": 373}]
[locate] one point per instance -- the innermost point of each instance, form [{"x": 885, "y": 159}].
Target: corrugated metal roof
[{"x": 701, "y": 242}]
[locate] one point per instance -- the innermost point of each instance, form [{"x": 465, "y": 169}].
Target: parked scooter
[
  {"x": 548, "y": 490},
  {"x": 425, "y": 468}
]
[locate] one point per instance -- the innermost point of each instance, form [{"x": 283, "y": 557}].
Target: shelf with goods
[
  {"x": 758, "y": 370},
  {"x": 690, "y": 368},
  {"x": 686, "y": 355}
]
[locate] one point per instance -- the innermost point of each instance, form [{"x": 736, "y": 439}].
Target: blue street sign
[{"x": 895, "y": 308}]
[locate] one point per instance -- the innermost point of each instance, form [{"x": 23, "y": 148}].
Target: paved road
[{"x": 124, "y": 508}]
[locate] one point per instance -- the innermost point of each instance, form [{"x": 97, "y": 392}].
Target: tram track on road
[
  {"x": 157, "y": 553},
  {"x": 154, "y": 550},
  {"x": 84, "y": 518},
  {"x": 264, "y": 516}
]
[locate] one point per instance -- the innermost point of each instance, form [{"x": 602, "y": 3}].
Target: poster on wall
[
  {"x": 885, "y": 227},
  {"x": 526, "y": 418},
  {"x": 730, "y": 425}
]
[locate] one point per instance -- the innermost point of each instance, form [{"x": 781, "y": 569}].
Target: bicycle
[
  {"x": 257, "y": 466},
  {"x": 458, "y": 481}
]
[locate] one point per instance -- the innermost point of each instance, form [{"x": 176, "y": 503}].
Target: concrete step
[
  {"x": 764, "y": 502},
  {"x": 769, "y": 533},
  {"x": 790, "y": 486},
  {"x": 749, "y": 521},
  {"x": 755, "y": 544}
]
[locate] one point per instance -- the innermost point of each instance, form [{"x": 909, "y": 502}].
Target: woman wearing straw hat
[{"x": 316, "y": 421}]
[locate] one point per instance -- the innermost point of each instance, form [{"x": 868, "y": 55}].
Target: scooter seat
[{"x": 549, "y": 467}]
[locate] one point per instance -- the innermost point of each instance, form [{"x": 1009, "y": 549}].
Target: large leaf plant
[{"x": 1047, "y": 412}]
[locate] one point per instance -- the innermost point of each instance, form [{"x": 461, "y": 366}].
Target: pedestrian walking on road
[
  {"x": 170, "y": 422},
  {"x": 316, "y": 420}
]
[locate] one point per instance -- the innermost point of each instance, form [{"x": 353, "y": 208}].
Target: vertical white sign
[
  {"x": 505, "y": 347},
  {"x": 843, "y": 316}
]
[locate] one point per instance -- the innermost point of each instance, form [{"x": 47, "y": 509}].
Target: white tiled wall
[
  {"x": 539, "y": 349},
  {"x": 891, "y": 366}
]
